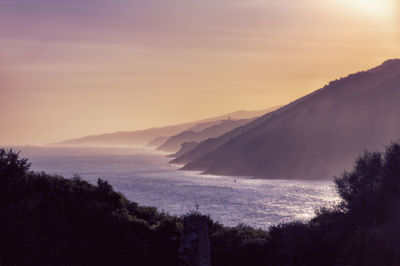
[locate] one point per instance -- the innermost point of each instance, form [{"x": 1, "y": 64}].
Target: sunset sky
[{"x": 74, "y": 68}]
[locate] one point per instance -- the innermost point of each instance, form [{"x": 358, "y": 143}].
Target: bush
[{"x": 50, "y": 220}]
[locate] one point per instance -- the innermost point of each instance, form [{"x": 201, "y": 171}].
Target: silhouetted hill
[
  {"x": 154, "y": 143},
  {"x": 314, "y": 137},
  {"x": 185, "y": 147},
  {"x": 143, "y": 137},
  {"x": 173, "y": 144},
  {"x": 202, "y": 126},
  {"x": 210, "y": 144},
  {"x": 158, "y": 141}
]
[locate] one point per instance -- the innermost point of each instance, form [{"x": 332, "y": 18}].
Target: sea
[{"x": 146, "y": 177}]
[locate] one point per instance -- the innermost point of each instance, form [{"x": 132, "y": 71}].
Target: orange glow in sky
[{"x": 73, "y": 68}]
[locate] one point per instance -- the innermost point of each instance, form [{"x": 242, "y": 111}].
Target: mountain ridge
[
  {"x": 322, "y": 110},
  {"x": 144, "y": 136},
  {"x": 173, "y": 144}
]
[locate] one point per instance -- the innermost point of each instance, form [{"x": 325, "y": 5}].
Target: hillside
[
  {"x": 185, "y": 147},
  {"x": 174, "y": 143},
  {"x": 143, "y": 137},
  {"x": 210, "y": 144},
  {"x": 158, "y": 141},
  {"x": 314, "y": 137},
  {"x": 154, "y": 143}
]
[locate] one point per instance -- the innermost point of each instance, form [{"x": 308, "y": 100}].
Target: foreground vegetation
[{"x": 51, "y": 220}]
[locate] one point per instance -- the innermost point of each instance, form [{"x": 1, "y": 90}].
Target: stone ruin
[{"x": 195, "y": 246}]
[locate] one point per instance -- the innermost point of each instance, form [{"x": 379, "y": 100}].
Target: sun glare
[{"x": 375, "y": 8}]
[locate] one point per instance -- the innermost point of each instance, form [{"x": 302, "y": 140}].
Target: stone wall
[{"x": 195, "y": 247}]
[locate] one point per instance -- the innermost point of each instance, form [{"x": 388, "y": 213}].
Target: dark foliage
[{"x": 50, "y": 220}]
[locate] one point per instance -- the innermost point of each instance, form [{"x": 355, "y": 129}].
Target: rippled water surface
[{"x": 147, "y": 178}]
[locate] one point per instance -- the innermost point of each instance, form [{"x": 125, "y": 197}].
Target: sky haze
[{"x": 74, "y": 68}]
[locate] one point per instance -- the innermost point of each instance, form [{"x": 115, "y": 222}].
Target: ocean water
[{"x": 147, "y": 178}]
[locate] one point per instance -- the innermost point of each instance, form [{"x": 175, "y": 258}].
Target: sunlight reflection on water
[{"x": 147, "y": 178}]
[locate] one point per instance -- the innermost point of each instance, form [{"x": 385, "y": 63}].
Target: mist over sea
[{"x": 147, "y": 178}]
